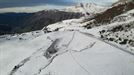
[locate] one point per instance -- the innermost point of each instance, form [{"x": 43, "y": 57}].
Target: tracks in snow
[
  {"x": 55, "y": 54},
  {"x": 50, "y": 60}
]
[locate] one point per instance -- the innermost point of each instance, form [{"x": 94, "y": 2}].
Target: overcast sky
[
  {"x": 38, "y": 5},
  {"x": 23, "y": 3}
]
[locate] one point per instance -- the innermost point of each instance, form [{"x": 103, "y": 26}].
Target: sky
[
  {"x": 22, "y": 3},
  {"x": 27, "y": 5}
]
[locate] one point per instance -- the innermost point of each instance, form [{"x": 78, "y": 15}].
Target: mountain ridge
[{"x": 25, "y": 22}]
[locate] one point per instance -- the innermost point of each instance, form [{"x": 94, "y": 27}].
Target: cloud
[
  {"x": 37, "y": 5},
  {"x": 20, "y": 3},
  {"x": 30, "y": 9},
  {"x": 102, "y": 2}
]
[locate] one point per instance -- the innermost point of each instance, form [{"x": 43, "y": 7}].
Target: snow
[
  {"x": 79, "y": 51},
  {"x": 76, "y": 56},
  {"x": 14, "y": 50},
  {"x": 101, "y": 59},
  {"x": 78, "y": 24},
  {"x": 66, "y": 24}
]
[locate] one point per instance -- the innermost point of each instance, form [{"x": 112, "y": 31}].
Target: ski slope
[{"x": 75, "y": 56}]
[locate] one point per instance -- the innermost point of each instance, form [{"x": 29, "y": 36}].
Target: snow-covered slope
[
  {"x": 119, "y": 28},
  {"x": 63, "y": 53},
  {"x": 72, "y": 48},
  {"x": 15, "y": 48}
]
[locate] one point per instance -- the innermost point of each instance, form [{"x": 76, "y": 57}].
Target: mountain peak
[{"x": 86, "y": 7}]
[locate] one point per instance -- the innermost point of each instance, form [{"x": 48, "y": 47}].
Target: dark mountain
[
  {"x": 46, "y": 17},
  {"x": 25, "y": 22},
  {"x": 9, "y": 21}
]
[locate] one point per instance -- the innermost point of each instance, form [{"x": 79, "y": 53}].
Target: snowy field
[{"x": 74, "y": 56}]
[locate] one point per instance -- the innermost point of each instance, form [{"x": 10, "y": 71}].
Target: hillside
[
  {"x": 11, "y": 23},
  {"x": 117, "y": 28},
  {"x": 98, "y": 44}
]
